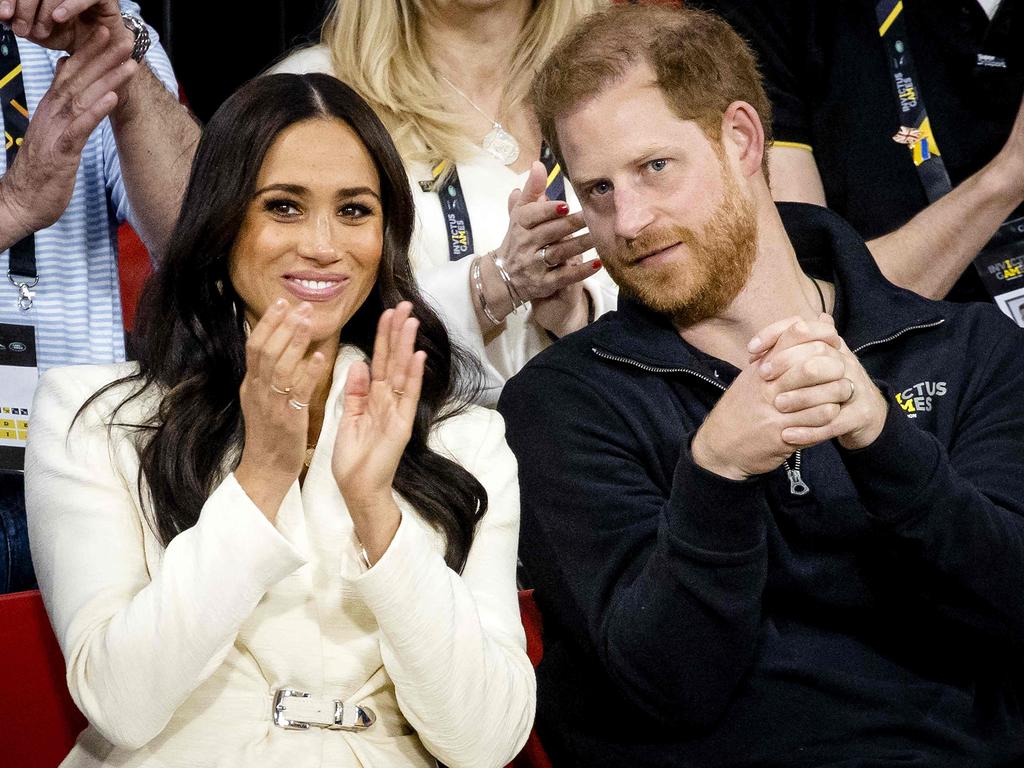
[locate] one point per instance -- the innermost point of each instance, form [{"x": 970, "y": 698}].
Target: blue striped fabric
[{"x": 77, "y": 310}]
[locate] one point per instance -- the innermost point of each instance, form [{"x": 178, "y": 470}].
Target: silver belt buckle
[{"x": 298, "y": 711}]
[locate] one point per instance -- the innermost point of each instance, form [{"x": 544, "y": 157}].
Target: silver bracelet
[
  {"x": 478, "y": 284},
  {"x": 513, "y": 294}
]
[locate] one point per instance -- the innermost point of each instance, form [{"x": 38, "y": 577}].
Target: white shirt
[
  {"x": 174, "y": 654},
  {"x": 486, "y": 184}
]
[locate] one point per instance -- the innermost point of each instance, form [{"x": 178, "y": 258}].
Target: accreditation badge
[
  {"x": 1001, "y": 266},
  {"x": 18, "y": 377}
]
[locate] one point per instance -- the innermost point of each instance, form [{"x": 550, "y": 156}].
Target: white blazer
[{"x": 175, "y": 654}]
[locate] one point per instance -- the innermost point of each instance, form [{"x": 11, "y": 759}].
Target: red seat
[
  {"x": 38, "y": 720},
  {"x": 533, "y": 754}
]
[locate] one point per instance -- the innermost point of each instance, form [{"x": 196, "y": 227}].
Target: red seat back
[
  {"x": 533, "y": 754},
  {"x": 38, "y": 720}
]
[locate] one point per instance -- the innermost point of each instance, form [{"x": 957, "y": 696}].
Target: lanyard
[
  {"x": 1000, "y": 263},
  {"x": 15, "y": 114},
  {"x": 456, "y": 213},
  {"x": 915, "y": 128}
]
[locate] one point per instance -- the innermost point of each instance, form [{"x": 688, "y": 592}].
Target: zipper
[
  {"x": 654, "y": 369},
  {"x": 899, "y": 333},
  {"x": 797, "y": 486}
]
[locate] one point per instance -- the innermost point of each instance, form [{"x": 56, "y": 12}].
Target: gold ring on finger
[
  {"x": 296, "y": 404},
  {"x": 853, "y": 390},
  {"x": 543, "y": 253},
  {"x": 279, "y": 391}
]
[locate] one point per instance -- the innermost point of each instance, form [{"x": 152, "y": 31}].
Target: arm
[
  {"x": 453, "y": 644},
  {"x": 37, "y": 187},
  {"x": 658, "y": 570},
  {"x": 138, "y": 638},
  {"x": 956, "y": 512},
  {"x": 929, "y": 252},
  {"x": 154, "y": 134},
  {"x": 156, "y": 138}
]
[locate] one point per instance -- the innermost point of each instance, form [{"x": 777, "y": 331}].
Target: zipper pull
[{"x": 797, "y": 486}]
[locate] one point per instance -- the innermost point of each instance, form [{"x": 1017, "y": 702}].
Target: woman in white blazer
[{"x": 279, "y": 539}]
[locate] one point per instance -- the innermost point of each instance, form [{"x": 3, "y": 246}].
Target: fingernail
[
  {"x": 60, "y": 14},
  {"x": 754, "y": 345},
  {"x": 562, "y": 209},
  {"x": 765, "y": 368},
  {"x": 280, "y": 304},
  {"x": 5, "y": 9},
  {"x": 20, "y": 28},
  {"x": 597, "y": 264}
]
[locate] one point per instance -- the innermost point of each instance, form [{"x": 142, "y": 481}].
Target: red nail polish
[
  {"x": 562, "y": 209},
  {"x": 597, "y": 264}
]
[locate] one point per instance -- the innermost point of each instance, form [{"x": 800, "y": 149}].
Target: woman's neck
[{"x": 472, "y": 47}]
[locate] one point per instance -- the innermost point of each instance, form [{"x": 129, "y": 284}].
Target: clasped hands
[{"x": 802, "y": 386}]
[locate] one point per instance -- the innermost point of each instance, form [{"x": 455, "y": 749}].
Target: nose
[
  {"x": 316, "y": 240},
  {"x": 632, "y": 213}
]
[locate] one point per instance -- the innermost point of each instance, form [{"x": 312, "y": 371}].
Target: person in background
[
  {"x": 496, "y": 248},
  {"x": 773, "y": 506},
  {"x": 92, "y": 140},
  {"x": 908, "y": 120},
  {"x": 283, "y": 537}
]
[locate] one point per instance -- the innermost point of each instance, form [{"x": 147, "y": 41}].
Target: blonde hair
[{"x": 376, "y": 48}]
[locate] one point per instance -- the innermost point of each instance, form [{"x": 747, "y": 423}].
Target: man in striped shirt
[{"x": 88, "y": 163}]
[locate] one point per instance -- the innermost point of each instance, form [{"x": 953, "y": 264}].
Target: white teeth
[{"x": 316, "y": 285}]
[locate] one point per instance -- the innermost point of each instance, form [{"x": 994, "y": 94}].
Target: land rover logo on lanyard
[
  {"x": 1001, "y": 262},
  {"x": 18, "y": 370}
]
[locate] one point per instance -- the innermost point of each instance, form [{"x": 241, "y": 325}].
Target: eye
[
  {"x": 599, "y": 188},
  {"x": 657, "y": 165},
  {"x": 283, "y": 207},
  {"x": 356, "y": 211}
]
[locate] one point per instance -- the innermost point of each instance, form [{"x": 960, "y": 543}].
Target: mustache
[{"x": 652, "y": 241}]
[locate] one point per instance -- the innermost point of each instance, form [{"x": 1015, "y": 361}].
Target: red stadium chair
[
  {"x": 533, "y": 754},
  {"x": 38, "y": 720}
]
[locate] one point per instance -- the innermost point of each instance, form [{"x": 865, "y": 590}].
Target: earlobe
[{"x": 741, "y": 125}]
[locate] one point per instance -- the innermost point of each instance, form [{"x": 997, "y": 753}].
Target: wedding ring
[
  {"x": 852, "y": 391},
  {"x": 276, "y": 391},
  {"x": 399, "y": 392},
  {"x": 543, "y": 253},
  {"x": 296, "y": 404}
]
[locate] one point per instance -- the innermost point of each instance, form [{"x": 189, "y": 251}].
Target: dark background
[{"x": 217, "y": 45}]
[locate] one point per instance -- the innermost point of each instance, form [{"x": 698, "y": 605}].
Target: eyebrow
[{"x": 298, "y": 189}]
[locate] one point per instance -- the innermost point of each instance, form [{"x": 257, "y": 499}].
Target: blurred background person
[
  {"x": 504, "y": 267},
  {"x": 906, "y": 118},
  {"x": 253, "y": 533},
  {"x": 92, "y": 141}
]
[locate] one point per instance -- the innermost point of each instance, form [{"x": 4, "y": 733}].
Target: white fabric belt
[{"x": 298, "y": 710}]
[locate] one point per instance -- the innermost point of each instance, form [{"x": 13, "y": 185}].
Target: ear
[{"x": 743, "y": 133}]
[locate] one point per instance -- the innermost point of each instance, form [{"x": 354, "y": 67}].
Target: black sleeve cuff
[{"x": 713, "y": 513}]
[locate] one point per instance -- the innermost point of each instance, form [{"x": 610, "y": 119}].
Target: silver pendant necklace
[{"x": 498, "y": 141}]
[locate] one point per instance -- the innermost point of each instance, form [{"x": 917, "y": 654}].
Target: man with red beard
[{"x": 773, "y": 506}]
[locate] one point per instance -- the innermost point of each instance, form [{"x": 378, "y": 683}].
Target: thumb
[
  {"x": 536, "y": 183},
  {"x": 513, "y": 199}
]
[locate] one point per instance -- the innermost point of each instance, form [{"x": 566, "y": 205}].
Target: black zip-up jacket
[{"x": 877, "y": 620}]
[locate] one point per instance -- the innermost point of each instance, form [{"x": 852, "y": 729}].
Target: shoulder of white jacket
[{"x": 313, "y": 58}]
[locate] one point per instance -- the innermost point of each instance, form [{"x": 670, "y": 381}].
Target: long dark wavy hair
[{"x": 190, "y": 338}]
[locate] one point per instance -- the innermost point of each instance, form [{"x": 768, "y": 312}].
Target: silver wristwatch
[{"x": 138, "y": 28}]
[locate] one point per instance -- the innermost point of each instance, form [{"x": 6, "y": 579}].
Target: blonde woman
[{"x": 497, "y": 246}]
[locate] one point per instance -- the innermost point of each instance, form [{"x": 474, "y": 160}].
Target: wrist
[
  {"x": 12, "y": 226},
  {"x": 1003, "y": 180},
  {"x": 493, "y": 289},
  {"x": 705, "y": 457}
]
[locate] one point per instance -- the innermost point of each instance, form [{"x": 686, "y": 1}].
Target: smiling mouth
[{"x": 315, "y": 289}]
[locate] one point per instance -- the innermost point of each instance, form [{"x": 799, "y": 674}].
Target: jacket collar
[{"x": 868, "y": 308}]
